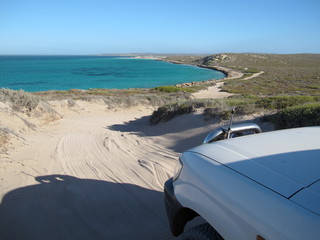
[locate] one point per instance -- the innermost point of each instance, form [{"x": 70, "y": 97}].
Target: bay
[{"x": 41, "y": 73}]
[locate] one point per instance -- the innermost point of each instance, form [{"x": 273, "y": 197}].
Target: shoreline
[{"x": 230, "y": 73}]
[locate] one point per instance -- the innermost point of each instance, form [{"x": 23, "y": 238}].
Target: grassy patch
[
  {"x": 168, "y": 89},
  {"x": 173, "y": 89},
  {"x": 281, "y": 102},
  {"x": 294, "y": 74}
]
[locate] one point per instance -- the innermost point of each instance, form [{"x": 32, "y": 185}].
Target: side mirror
[{"x": 236, "y": 130}]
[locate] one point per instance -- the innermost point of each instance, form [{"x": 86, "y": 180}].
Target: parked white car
[{"x": 260, "y": 186}]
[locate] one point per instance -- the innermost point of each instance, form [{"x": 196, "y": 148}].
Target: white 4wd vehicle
[{"x": 260, "y": 186}]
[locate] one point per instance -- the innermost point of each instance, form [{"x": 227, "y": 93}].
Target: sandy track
[
  {"x": 213, "y": 92},
  {"x": 254, "y": 75},
  {"x": 81, "y": 178}
]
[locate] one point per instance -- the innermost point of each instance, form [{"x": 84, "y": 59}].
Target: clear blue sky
[{"x": 159, "y": 26}]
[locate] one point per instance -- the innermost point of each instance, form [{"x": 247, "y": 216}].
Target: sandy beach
[{"x": 83, "y": 171}]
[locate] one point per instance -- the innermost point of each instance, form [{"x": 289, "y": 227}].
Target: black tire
[{"x": 201, "y": 232}]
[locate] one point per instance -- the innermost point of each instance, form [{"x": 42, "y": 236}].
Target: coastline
[
  {"x": 213, "y": 91},
  {"x": 230, "y": 73}
]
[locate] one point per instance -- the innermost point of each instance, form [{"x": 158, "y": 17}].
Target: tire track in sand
[{"x": 99, "y": 153}]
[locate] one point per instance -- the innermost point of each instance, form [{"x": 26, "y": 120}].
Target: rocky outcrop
[
  {"x": 216, "y": 59},
  {"x": 190, "y": 84},
  {"x": 229, "y": 72}
]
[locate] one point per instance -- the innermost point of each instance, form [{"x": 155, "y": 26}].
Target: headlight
[{"x": 177, "y": 170}]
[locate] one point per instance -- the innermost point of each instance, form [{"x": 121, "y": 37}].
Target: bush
[
  {"x": 210, "y": 113},
  {"x": 298, "y": 116},
  {"x": 167, "y": 112},
  {"x": 19, "y": 99},
  {"x": 223, "y": 108}
]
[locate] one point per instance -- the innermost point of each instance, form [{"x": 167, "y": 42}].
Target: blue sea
[{"x": 40, "y": 73}]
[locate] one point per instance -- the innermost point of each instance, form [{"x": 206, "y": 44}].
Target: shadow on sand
[
  {"x": 175, "y": 130},
  {"x": 66, "y": 207},
  {"x": 185, "y": 131}
]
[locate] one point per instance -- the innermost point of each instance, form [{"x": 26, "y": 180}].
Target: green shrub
[
  {"x": 167, "y": 112},
  {"x": 210, "y": 113},
  {"x": 298, "y": 116}
]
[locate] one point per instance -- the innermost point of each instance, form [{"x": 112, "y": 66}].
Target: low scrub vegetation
[
  {"x": 19, "y": 99},
  {"x": 281, "y": 102},
  {"x": 167, "y": 112},
  {"x": 292, "y": 74},
  {"x": 172, "y": 89},
  {"x": 303, "y": 108},
  {"x": 120, "y": 97},
  {"x": 168, "y": 89},
  {"x": 297, "y": 116}
]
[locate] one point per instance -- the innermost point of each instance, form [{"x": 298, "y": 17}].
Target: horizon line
[{"x": 158, "y": 54}]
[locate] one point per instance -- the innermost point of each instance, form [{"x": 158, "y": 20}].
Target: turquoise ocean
[{"x": 41, "y": 73}]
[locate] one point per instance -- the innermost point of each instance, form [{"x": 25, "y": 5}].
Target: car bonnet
[
  {"x": 285, "y": 161},
  {"x": 309, "y": 197}
]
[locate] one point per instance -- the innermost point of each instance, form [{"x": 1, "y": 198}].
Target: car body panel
[
  {"x": 281, "y": 160},
  {"x": 309, "y": 197},
  {"x": 266, "y": 184},
  {"x": 239, "y": 203}
]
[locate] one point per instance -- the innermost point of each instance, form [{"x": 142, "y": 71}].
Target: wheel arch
[{"x": 180, "y": 220}]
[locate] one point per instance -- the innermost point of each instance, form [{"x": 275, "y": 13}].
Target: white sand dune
[{"x": 94, "y": 174}]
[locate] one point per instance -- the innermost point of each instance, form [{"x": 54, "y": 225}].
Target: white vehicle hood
[
  {"x": 285, "y": 161},
  {"x": 309, "y": 197}
]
